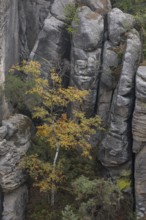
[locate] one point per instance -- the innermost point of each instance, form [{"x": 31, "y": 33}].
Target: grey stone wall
[
  {"x": 15, "y": 135},
  {"x": 102, "y": 56}
]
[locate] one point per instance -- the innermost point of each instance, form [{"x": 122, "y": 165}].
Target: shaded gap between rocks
[
  {"x": 1, "y": 202},
  {"x": 101, "y": 61},
  {"x": 132, "y": 160}
]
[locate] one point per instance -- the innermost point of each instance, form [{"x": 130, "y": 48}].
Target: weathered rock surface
[
  {"x": 98, "y": 5},
  {"x": 51, "y": 43},
  {"x": 15, "y": 135},
  {"x": 9, "y": 35},
  {"x": 121, "y": 55},
  {"x": 31, "y": 16},
  {"x": 103, "y": 55},
  {"x": 116, "y": 145},
  {"x": 86, "y": 54},
  {"x": 139, "y": 141},
  {"x": 14, "y": 205},
  {"x": 57, "y": 9},
  {"x": 118, "y": 24}
]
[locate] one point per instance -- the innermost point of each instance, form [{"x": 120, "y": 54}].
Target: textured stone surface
[
  {"x": 108, "y": 81},
  {"x": 118, "y": 23},
  {"x": 139, "y": 116},
  {"x": 86, "y": 55},
  {"x": 9, "y": 34},
  {"x": 51, "y": 44},
  {"x": 139, "y": 141},
  {"x": 58, "y": 7},
  {"x": 9, "y": 44},
  {"x": 115, "y": 148},
  {"x": 14, "y": 206},
  {"x": 103, "y": 55},
  {"x": 89, "y": 22},
  {"x": 101, "y": 6},
  {"x": 140, "y": 182},
  {"x": 32, "y": 16},
  {"x": 121, "y": 55},
  {"x": 15, "y": 135},
  {"x": 12, "y": 148}
]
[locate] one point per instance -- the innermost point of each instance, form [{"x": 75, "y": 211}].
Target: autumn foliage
[{"x": 60, "y": 128}]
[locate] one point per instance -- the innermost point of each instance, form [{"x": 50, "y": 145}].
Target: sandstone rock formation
[
  {"x": 103, "y": 54},
  {"x": 139, "y": 142},
  {"x": 86, "y": 54},
  {"x": 15, "y": 135}
]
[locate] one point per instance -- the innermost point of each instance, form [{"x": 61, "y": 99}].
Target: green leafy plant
[
  {"x": 15, "y": 89},
  {"x": 71, "y": 16},
  {"x": 68, "y": 214},
  {"x": 97, "y": 198},
  {"x": 124, "y": 182}
]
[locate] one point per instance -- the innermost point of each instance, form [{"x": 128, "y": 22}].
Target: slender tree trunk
[
  {"x": 54, "y": 166},
  {"x": 56, "y": 154}
]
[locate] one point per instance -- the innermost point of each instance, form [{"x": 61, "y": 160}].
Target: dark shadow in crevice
[
  {"x": 1, "y": 202},
  {"x": 105, "y": 35}
]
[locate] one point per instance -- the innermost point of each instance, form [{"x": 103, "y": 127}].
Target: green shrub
[
  {"x": 68, "y": 214},
  {"x": 97, "y": 198},
  {"x": 71, "y": 15},
  {"x": 16, "y": 87}
]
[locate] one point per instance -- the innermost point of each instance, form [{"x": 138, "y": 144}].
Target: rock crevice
[{"x": 102, "y": 56}]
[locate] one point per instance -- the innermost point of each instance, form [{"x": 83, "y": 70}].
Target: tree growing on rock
[{"x": 59, "y": 128}]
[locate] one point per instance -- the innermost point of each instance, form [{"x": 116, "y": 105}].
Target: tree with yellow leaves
[{"x": 60, "y": 129}]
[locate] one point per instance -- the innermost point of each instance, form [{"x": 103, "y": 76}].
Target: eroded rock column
[
  {"x": 9, "y": 44},
  {"x": 87, "y": 42},
  {"x": 53, "y": 40},
  {"x": 9, "y": 34},
  {"x": 116, "y": 101},
  {"x": 139, "y": 142},
  {"x": 15, "y": 135}
]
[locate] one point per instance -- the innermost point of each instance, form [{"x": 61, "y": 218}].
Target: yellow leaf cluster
[
  {"x": 58, "y": 129},
  {"x": 70, "y": 133},
  {"x": 44, "y": 175},
  {"x": 31, "y": 68}
]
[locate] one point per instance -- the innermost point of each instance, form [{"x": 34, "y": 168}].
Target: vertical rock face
[
  {"x": 121, "y": 55},
  {"x": 9, "y": 35},
  {"x": 52, "y": 41},
  {"x": 113, "y": 53},
  {"x": 86, "y": 54},
  {"x": 31, "y": 17},
  {"x": 139, "y": 142},
  {"x": 9, "y": 44},
  {"x": 15, "y": 134},
  {"x": 14, "y": 204},
  {"x": 116, "y": 145},
  {"x": 103, "y": 54}
]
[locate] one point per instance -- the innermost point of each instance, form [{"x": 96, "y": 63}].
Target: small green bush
[
  {"x": 98, "y": 198},
  {"x": 15, "y": 89},
  {"x": 68, "y": 214},
  {"x": 71, "y": 15}
]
